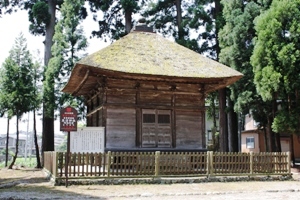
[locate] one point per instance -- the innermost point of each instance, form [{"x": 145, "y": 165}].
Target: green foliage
[
  {"x": 163, "y": 14},
  {"x": 276, "y": 52},
  {"x": 40, "y": 13},
  {"x": 3, "y": 152},
  {"x": 39, "y": 17},
  {"x": 236, "y": 42},
  {"x": 192, "y": 24},
  {"x": 8, "y": 6},
  {"x": 30, "y": 162},
  {"x": 63, "y": 146},
  {"x": 286, "y": 122},
  {"x": 129, "y": 5},
  {"x": 179, "y": 19},
  {"x": 112, "y": 25},
  {"x": 206, "y": 14},
  {"x": 212, "y": 109},
  {"x": 37, "y": 90},
  {"x": 276, "y": 60},
  {"x": 17, "y": 85},
  {"x": 69, "y": 42}
]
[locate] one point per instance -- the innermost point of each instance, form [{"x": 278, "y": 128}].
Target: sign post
[{"x": 68, "y": 122}]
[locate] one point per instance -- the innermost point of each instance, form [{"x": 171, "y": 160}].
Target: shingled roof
[{"x": 151, "y": 55}]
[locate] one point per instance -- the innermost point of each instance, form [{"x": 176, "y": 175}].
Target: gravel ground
[{"x": 32, "y": 184}]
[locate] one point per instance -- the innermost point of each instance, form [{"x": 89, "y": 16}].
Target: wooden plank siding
[
  {"x": 118, "y": 104},
  {"x": 120, "y": 128},
  {"x": 155, "y": 98},
  {"x": 188, "y": 126}
]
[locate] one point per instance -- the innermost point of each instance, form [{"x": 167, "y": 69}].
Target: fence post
[
  {"x": 207, "y": 163},
  {"x": 289, "y": 162},
  {"x": 55, "y": 167},
  {"x": 275, "y": 156},
  {"x": 157, "y": 155},
  {"x": 251, "y": 162},
  {"x": 108, "y": 163},
  {"x": 210, "y": 165}
]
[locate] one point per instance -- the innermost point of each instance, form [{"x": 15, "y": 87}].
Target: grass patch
[{"x": 30, "y": 162}]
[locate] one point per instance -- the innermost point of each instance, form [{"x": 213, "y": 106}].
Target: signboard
[
  {"x": 68, "y": 119},
  {"x": 87, "y": 140}
]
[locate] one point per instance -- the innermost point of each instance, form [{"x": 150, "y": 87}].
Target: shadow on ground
[{"x": 32, "y": 184}]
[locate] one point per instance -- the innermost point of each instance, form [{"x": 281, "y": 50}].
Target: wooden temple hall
[{"x": 148, "y": 92}]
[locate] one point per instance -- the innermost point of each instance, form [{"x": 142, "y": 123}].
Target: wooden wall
[
  {"x": 120, "y": 128},
  {"x": 188, "y": 126},
  {"x": 118, "y": 105}
]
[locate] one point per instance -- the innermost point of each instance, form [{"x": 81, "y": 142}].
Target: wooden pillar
[
  {"x": 202, "y": 113},
  {"x": 138, "y": 115},
  {"x": 104, "y": 115},
  {"x": 223, "y": 136},
  {"x": 173, "y": 120}
]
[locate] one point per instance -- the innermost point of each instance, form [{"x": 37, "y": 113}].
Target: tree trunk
[
  {"x": 292, "y": 149},
  {"x": 266, "y": 139},
  {"x": 223, "y": 121},
  {"x": 179, "y": 20},
  {"x": 222, "y": 92},
  {"x": 275, "y": 140},
  {"x": 37, "y": 152},
  {"x": 278, "y": 143},
  {"x": 297, "y": 130},
  {"x": 48, "y": 115},
  {"x": 215, "y": 140},
  {"x": 271, "y": 136},
  {"x": 7, "y": 140},
  {"x": 217, "y": 24},
  {"x": 233, "y": 145},
  {"x": 128, "y": 19},
  {"x": 17, "y": 146}
]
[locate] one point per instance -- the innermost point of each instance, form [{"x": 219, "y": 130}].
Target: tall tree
[
  {"x": 223, "y": 134},
  {"x": 117, "y": 17},
  {"x": 236, "y": 49},
  {"x": 276, "y": 60},
  {"x": 4, "y": 109},
  {"x": 37, "y": 90},
  {"x": 206, "y": 18},
  {"x": 68, "y": 47},
  {"x": 42, "y": 15},
  {"x": 7, "y": 141},
  {"x": 17, "y": 84},
  {"x": 208, "y": 14},
  {"x": 167, "y": 17},
  {"x": 177, "y": 19}
]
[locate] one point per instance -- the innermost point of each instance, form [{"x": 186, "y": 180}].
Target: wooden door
[{"x": 156, "y": 128}]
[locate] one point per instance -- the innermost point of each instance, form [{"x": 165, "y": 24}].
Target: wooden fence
[{"x": 165, "y": 164}]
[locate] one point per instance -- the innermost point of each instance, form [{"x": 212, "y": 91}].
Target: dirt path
[{"x": 32, "y": 184}]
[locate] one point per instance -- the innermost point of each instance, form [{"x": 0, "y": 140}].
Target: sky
[{"x": 10, "y": 28}]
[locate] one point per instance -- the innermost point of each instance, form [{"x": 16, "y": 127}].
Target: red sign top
[{"x": 68, "y": 119}]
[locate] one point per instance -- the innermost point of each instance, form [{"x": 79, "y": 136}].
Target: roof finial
[
  {"x": 142, "y": 21},
  {"x": 142, "y": 26}
]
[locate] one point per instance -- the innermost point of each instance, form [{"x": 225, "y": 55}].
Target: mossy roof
[{"x": 149, "y": 54}]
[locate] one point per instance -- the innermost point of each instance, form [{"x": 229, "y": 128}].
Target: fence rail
[{"x": 159, "y": 164}]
